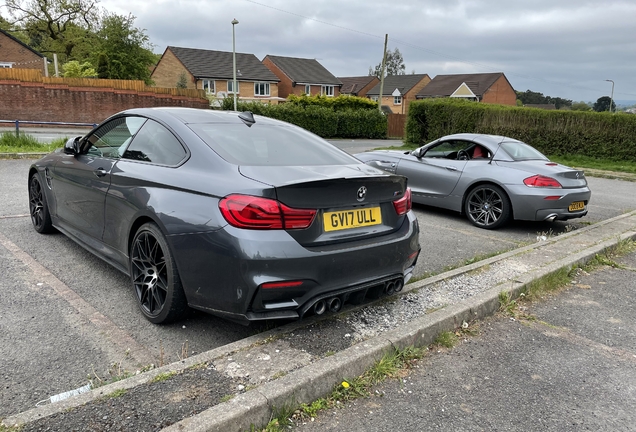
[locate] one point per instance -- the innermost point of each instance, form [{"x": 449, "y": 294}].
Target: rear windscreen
[
  {"x": 521, "y": 151},
  {"x": 270, "y": 145}
]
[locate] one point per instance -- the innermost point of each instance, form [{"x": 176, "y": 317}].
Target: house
[
  {"x": 357, "y": 86},
  {"x": 212, "y": 71},
  {"x": 399, "y": 91},
  {"x": 300, "y": 76},
  {"x": 482, "y": 87},
  {"x": 16, "y": 54}
]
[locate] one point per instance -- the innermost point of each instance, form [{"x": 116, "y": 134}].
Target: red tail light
[
  {"x": 250, "y": 212},
  {"x": 404, "y": 204},
  {"x": 285, "y": 284},
  {"x": 541, "y": 181}
]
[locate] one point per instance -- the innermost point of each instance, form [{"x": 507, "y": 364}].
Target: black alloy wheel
[
  {"x": 488, "y": 206},
  {"x": 38, "y": 207},
  {"x": 155, "y": 277}
]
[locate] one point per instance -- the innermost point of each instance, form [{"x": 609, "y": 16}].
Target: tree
[
  {"x": 127, "y": 49},
  {"x": 54, "y": 26},
  {"x": 394, "y": 64},
  {"x": 183, "y": 81},
  {"x": 102, "y": 65},
  {"x": 581, "y": 106},
  {"x": 530, "y": 97},
  {"x": 74, "y": 69},
  {"x": 603, "y": 104}
]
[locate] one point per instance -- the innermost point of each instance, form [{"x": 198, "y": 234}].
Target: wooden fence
[
  {"x": 33, "y": 75},
  {"x": 397, "y": 122}
]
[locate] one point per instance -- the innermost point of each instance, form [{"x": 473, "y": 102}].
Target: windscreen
[
  {"x": 270, "y": 145},
  {"x": 520, "y": 151}
]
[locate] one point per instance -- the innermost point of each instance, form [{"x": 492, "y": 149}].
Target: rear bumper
[
  {"x": 531, "y": 203},
  {"x": 222, "y": 272}
]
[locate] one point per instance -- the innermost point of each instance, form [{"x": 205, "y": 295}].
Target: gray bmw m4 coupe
[
  {"x": 233, "y": 214},
  {"x": 490, "y": 179}
]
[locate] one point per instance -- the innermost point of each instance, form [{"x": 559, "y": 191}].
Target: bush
[
  {"x": 600, "y": 135},
  {"x": 322, "y": 118}
]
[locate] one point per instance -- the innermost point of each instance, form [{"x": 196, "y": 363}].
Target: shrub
[
  {"x": 600, "y": 135},
  {"x": 321, "y": 118}
]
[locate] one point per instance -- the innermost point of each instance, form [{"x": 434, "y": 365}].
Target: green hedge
[
  {"x": 600, "y": 135},
  {"x": 324, "y": 121}
]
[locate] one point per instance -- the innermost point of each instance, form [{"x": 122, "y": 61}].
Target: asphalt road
[
  {"x": 571, "y": 368},
  {"x": 65, "y": 316}
]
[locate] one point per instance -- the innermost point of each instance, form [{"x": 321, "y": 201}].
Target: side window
[
  {"x": 111, "y": 139},
  {"x": 447, "y": 149},
  {"x": 154, "y": 143}
]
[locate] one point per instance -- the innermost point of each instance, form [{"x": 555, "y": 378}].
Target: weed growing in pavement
[
  {"x": 279, "y": 374},
  {"x": 506, "y": 304},
  {"x": 162, "y": 377},
  {"x": 116, "y": 394},
  {"x": 184, "y": 351},
  {"x": 608, "y": 256},
  {"x": 4, "y": 428},
  {"x": 446, "y": 339},
  {"x": 227, "y": 397}
]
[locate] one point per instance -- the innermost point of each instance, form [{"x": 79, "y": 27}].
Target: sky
[{"x": 561, "y": 48}]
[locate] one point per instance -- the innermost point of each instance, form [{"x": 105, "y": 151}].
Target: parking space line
[
  {"x": 15, "y": 216},
  {"x": 114, "y": 334},
  {"x": 472, "y": 234}
]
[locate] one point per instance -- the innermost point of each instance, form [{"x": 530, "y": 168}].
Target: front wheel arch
[{"x": 507, "y": 211}]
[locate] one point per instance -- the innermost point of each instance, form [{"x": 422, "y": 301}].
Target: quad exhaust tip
[
  {"x": 334, "y": 304},
  {"x": 320, "y": 307}
]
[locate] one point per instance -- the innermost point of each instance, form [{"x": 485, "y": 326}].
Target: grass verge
[{"x": 10, "y": 143}]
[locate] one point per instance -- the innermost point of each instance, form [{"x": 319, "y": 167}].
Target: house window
[
  {"x": 397, "y": 100},
  {"x": 374, "y": 98},
  {"x": 261, "y": 89},
  {"x": 208, "y": 86},
  {"x": 6, "y": 65},
  {"x": 230, "y": 87},
  {"x": 326, "y": 90},
  {"x": 307, "y": 89}
]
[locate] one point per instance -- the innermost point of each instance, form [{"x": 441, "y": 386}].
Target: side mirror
[{"x": 72, "y": 146}]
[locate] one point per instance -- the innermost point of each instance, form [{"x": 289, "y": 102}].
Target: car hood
[{"x": 285, "y": 175}]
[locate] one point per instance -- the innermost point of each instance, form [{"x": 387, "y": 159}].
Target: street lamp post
[
  {"x": 612, "y": 96},
  {"x": 234, "y": 22}
]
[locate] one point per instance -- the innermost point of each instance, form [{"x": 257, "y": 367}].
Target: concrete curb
[{"x": 317, "y": 379}]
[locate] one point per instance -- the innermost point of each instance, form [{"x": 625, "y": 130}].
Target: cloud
[{"x": 564, "y": 48}]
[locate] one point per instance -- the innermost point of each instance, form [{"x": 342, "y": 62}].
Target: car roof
[
  {"x": 197, "y": 115},
  {"x": 485, "y": 139}
]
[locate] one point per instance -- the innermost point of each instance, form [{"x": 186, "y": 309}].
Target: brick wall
[
  {"x": 14, "y": 52},
  {"x": 46, "y": 102},
  {"x": 501, "y": 92}
]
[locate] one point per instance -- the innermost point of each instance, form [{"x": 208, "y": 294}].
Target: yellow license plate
[
  {"x": 346, "y": 219},
  {"x": 577, "y": 205}
]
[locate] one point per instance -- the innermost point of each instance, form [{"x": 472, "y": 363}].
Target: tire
[
  {"x": 487, "y": 206},
  {"x": 155, "y": 278},
  {"x": 38, "y": 206}
]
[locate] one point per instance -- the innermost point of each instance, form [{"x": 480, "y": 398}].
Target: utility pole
[{"x": 386, "y": 41}]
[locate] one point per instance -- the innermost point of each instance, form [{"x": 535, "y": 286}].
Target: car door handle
[
  {"x": 451, "y": 168},
  {"x": 100, "y": 172}
]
